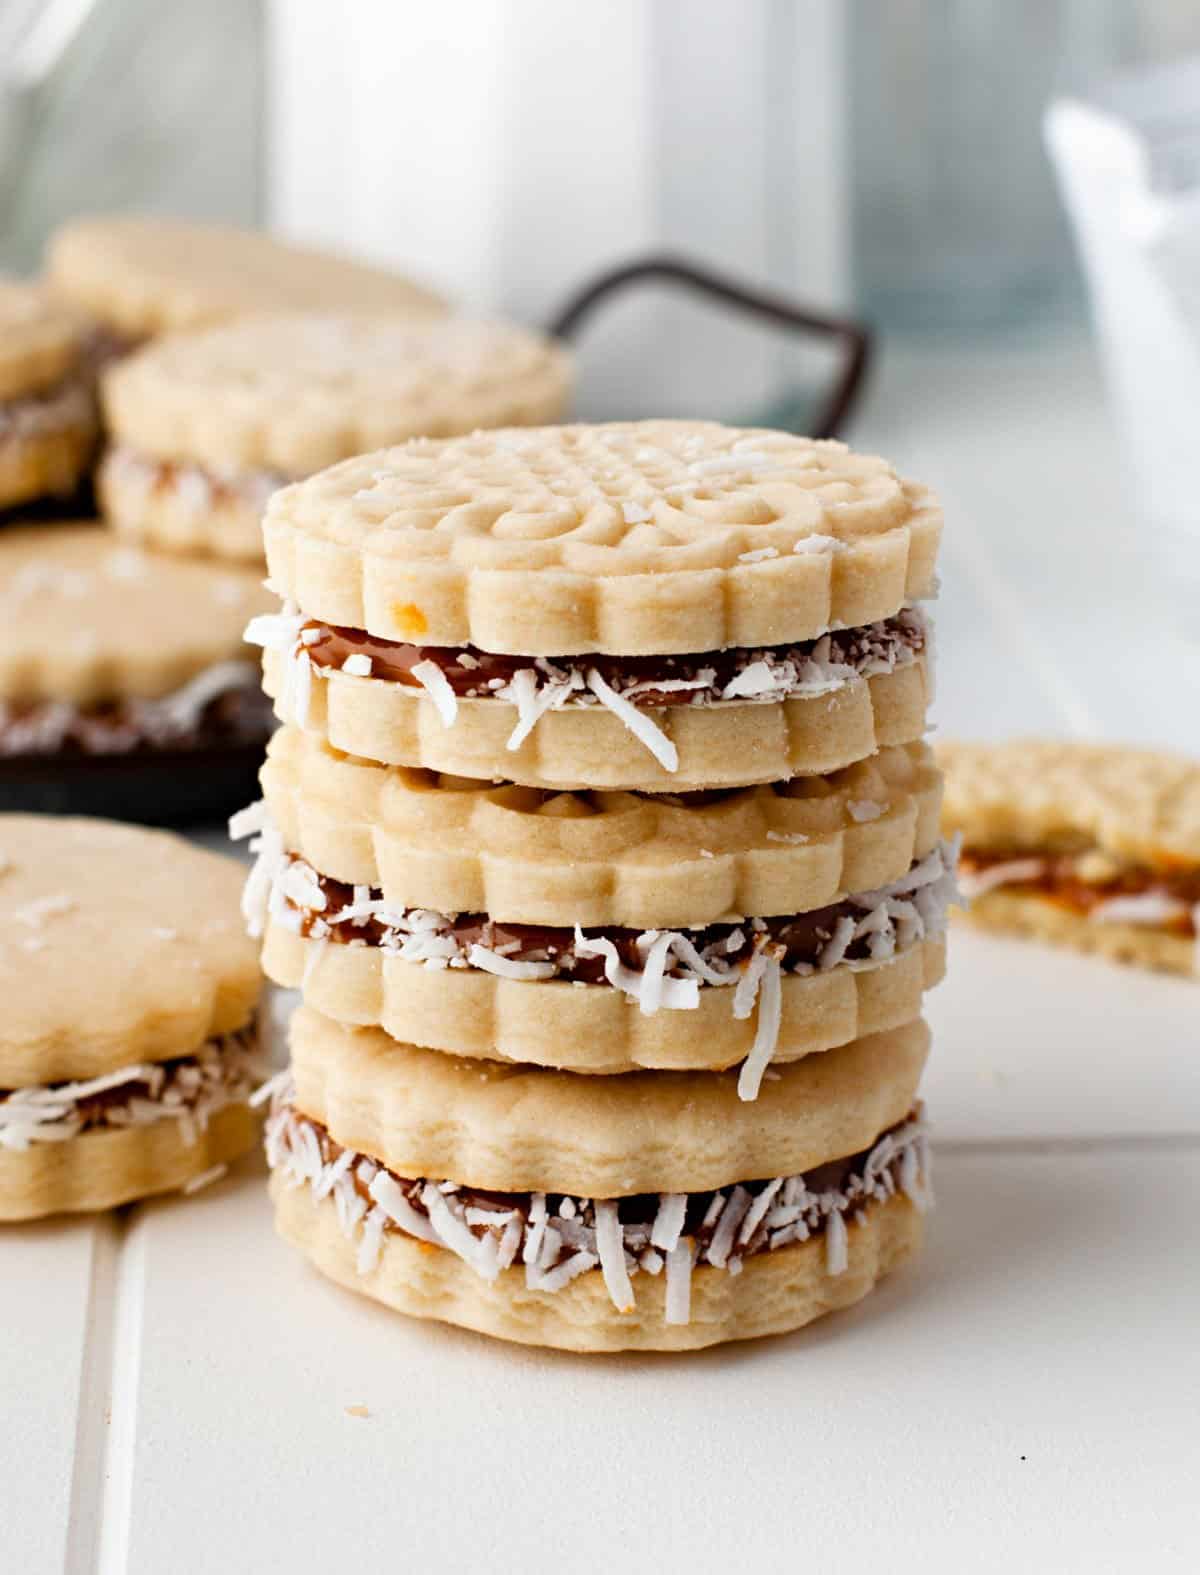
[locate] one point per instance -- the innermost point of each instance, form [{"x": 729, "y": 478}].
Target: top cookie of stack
[{"x": 659, "y": 606}]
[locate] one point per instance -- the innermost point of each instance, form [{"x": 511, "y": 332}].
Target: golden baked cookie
[
  {"x": 141, "y": 276},
  {"x": 106, "y": 650},
  {"x": 206, "y": 426},
  {"x": 648, "y": 1212},
  {"x": 128, "y": 1049},
  {"x": 1087, "y": 845},
  {"x": 47, "y": 406},
  {"x": 660, "y": 605}
]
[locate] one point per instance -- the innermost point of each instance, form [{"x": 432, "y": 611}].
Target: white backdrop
[{"x": 509, "y": 149}]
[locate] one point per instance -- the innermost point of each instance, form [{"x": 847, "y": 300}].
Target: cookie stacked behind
[
  {"x": 47, "y": 405},
  {"x": 205, "y": 426},
  {"x": 603, "y": 845},
  {"x": 129, "y": 1050}
]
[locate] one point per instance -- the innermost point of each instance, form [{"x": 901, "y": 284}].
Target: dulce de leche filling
[
  {"x": 195, "y": 487},
  {"x": 701, "y": 678},
  {"x": 188, "y": 1089},
  {"x": 1091, "y": 884},
  {"x": 556, "y": 1238}
]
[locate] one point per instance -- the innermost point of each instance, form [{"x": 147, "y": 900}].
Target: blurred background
[{"x": 963, "y": 175}]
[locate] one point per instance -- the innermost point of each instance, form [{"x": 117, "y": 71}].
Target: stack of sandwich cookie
[
  {"x": 129, "y": 1052},
  {"x": 1084, "y": 845},
  {"x": 47, "y": 404},
  {"x": 112, "y": 658},
  {"x": 205, "y": 426},
  {"x": 135, "y": 277},
  {"x": 601, "y": 791}
]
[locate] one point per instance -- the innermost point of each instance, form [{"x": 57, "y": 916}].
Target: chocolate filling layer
[
  {"x": 696, "y": 679},
  {"x": 1068, "y": 879},
  {"x": 238, "y": 716},
  {"x": 798, "y": 942}
]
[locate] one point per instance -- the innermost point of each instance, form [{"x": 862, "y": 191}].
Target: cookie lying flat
[
  {"x": 128, "y": 1050},
  {"x": 206, "y": 426},
  {"x": 1087, "y": 845},
  {"x": 140, "y": 276},
  {"x": 47, "y": 405},
  {"x": 756, "y": 925},
  {"x": 107, "y": 651},
  {"x": 630, "y": 1213},
  {"x": 660, "y": 605}
]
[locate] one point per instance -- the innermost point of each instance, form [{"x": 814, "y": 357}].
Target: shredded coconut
[
  {"x": 557, "y": 1244},
  {"x": 436, "y": 685}
]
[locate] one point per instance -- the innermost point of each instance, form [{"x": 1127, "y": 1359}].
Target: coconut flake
[
  {"x": 678, "y": 1307},
  {"x": 359, "y": 665},
  {"x": 668, "y": 1222},
  {"x": 389, "y": 1196},
  {"x": 610, "y": 1245},
  {"x": 437, "y": 686},
  {"x": 837, "y": 1256},
  {"x": 1152, "y": 908},
  {"x": 507, "y": 967},
  {"x": 865, "y": 809},
  {"x": 766, "y": 1034},
  {"x": 638, "y": 723},
  {"x": 1011, "y": 872},
  {"x": 808, "y": 544}
]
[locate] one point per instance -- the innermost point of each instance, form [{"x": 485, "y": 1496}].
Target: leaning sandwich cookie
[
  {"x": 205, "y": 426},
  {"x": 657, "y": 606},
  {"x": 653, "y": 1211},
  {"x": 129, "y": 1049},
  {"x": 602, "y": 932},
  {"x": 1092, "y": 846},
  {"x": 47, "y": 401}
]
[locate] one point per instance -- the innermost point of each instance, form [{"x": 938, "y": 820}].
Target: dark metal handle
[{"x": 853, "y": 337}]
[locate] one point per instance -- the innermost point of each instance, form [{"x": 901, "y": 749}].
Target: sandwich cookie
[
  {"x": 205, "y": 427},
  {"x": 656, "y": 606},
  {"x": 108, "y": 652},
  {"x": 602, "y": 932},
  {"x": 129, "y": 1050},
  {"x": 1084, "y": 845},
  {"x": 137, "y": 277},
  {"x": 47, "y": 403},
  {"x": 652, "y": 1212}
]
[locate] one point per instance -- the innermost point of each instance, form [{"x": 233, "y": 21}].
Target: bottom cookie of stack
[{"x": 643, "y": 1211}]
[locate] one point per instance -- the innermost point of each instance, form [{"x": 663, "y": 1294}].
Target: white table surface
[{"x": 176, "y": 1383}]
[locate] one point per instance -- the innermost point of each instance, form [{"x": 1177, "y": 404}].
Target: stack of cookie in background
[
  {"x": 125, "y": 686},
  {"x": 602, "y": 842}
]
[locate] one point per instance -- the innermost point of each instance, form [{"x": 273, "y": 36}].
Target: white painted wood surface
[{"x": 175, "y": 1384}]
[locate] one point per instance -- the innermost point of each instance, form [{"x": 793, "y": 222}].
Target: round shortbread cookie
[
  {"x": 731, "y": 744},
  {"x": 531, "y": 856},
  {"x": 521, "y": 1128},
  {"x": 1037, "y": 794},
  {"x": 295, "y": 394},
  {"x": 121, "y": 945},
  {"x": 142, "y": 276},
  {"x": 775, "y": 1292},
  {"x": 591, "y": 1028},
  {"x": 1042, "y": 919},
  {"x": 629, "y": 538},
  {"x": 99, "y": 1170},
  {"x": 86, "y": 620},
  {"x": 41, "y": 343}
]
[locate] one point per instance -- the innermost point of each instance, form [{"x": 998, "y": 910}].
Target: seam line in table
[{"x": 102, "y": 1473}]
